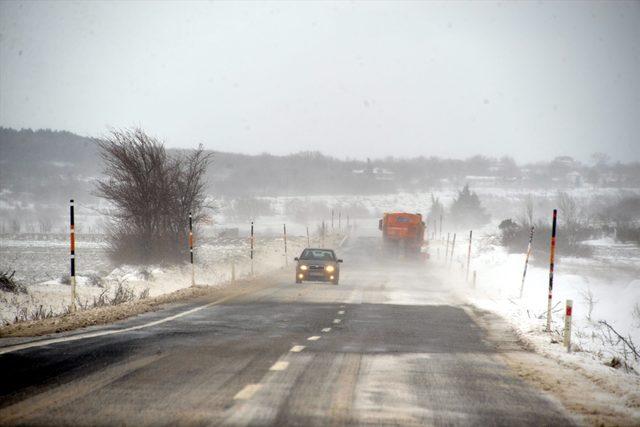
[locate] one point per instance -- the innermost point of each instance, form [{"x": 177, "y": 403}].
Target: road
[{"x": 390, "y": 345}]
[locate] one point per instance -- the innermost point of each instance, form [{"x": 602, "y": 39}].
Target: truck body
[{"x": 403, "y": 232}]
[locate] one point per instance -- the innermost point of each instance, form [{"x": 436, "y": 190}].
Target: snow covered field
[
  {"x": 610, "y": 279},
  {"x": 603, "y": 288},
  {"x": 42, "y": 266}
]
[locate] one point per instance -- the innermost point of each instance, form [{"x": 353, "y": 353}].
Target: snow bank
[{"x": 611, "y": 298}]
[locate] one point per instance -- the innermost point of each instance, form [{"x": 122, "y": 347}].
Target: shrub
[
  {"x": 96, "y": 280},
  {"x": 515, "y": 237},
  {"x": 9, "y": 284},
  {"x": 248, "y": 208},
  {"x": 151, "y": 194}
]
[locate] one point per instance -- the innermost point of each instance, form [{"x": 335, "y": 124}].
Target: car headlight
[
  {"x": 330, "y": 268},
  {"x": 303, "y": 267}
]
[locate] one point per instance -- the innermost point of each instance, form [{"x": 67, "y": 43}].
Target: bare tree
[
  {"x": 151, "y": 194},
  {"x": 589, "y": 299},
  {"x": 45, "y": 225}
]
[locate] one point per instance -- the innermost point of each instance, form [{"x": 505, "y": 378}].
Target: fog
[
  {"x": 189, "y": 152},
  {"x": 529, "y": 80}
]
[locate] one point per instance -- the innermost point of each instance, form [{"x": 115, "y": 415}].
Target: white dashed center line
[
  {"x": 297, "y": 348},
  {"x": 337, "y": 320},
  {"x": 341, "y": 312},
  {"x": 279, "y": 366},
  {"x": 326, "y": 329},
  {"x": 314, "y": 338},
  {"x": 248, "y": 391}
]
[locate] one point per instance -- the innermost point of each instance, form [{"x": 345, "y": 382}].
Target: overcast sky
[{"x": 529, "y": 80}]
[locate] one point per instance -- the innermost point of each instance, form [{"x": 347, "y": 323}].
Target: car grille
[{"x": 316, "y": 267}]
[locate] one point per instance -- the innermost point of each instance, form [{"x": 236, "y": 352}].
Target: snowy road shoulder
[{"x": 596, "y": 394}]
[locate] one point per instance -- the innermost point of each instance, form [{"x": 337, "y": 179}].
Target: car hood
[{"x": 316, "y": 262}]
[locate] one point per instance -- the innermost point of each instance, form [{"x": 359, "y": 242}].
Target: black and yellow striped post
[
  {"x": 72, "y": 239},
  {"x": 552, "y": 256},
  {"x": 193, "y": 272}
]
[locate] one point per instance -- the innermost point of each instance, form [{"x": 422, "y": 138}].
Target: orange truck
[{"x": 403, "y": 232}]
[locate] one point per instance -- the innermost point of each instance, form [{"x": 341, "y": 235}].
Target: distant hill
[{"x": 45, "y": 166}]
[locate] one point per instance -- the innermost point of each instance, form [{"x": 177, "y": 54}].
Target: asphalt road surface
[{"x": 390, "y": 345}]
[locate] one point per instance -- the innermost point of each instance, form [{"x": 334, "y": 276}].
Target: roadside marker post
[
  {"x": 469, "y": 254},
  {"x": 286, "y": 258},
  {"x": 193, "y": 272},
  {"x": 72, "y": 239},
  {"x": 453, "y": 246},
  {"x": 474, "y": 279},
  {"x": 233, "y": 272},
  {"x": 440, "y": 226},
  {"x": 526, "y": 261},
  {"x": 551, "y": 267},
  {"x": 568, "y": 314},
  {"x": 308, "y": 241},
  {"x": 251, "y": 253},
  {"x": 446, "y": 253},
  {"x": 340, "y": 220},
  {"x": 331, "y": 219}
]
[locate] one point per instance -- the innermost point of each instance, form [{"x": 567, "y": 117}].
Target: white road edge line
[
  {"x": 313, "y": 338},
  {"x": 297, "y": 348},
  {"x": 248, "y": 391},
  {"x": 17, "y": 347},
  {"x": 279, "y": 366},
  {"x": 336, "y": 320},
  {"x": 326, "y": 329}
]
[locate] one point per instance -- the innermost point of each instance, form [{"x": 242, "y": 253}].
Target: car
[{"x": 316, "y": 264}]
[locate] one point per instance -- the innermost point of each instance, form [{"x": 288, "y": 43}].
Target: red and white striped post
[
  {"x": 551, "y": 267},
  {"x": 469, "y": 253},
  {"x": 72, "y": 239},
  {"x": 567, "y": 324},
  {"x": 193, "y": 272},
  {"x": 286, "y": 256},
  {"x": 526, "y": 261}
]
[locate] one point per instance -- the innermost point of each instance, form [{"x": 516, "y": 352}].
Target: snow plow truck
[{"x": 403, "y": 234}]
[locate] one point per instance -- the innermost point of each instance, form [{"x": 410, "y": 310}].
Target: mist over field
[{"x": 421, "y": 147}]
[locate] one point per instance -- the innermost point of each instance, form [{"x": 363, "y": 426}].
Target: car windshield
[{"x": 317, "y": 255}]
